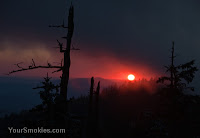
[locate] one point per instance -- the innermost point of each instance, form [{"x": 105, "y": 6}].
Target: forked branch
[{"x": 33, "y": 66}]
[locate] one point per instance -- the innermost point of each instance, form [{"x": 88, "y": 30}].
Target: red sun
[{"x": 131, "y": 77}]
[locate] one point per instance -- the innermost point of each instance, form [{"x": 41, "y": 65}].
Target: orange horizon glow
[{"x": 83, "y": 66}]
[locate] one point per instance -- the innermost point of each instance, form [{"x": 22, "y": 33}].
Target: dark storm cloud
[
  {"x": 27, "y": 21},
  {"x": 141, "y": 30},
  {"x": 131, "y": 30}
]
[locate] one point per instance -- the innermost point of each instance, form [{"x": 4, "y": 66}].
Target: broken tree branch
[
  {"x": 60, "y": 46},
  {"x": 18, "y": 64},
  {"x": 31, "y": 68},
  {"x": 58, "y": 26},
  {"x": 33, "y": 62},
  {"x": 57, "y": 70}
]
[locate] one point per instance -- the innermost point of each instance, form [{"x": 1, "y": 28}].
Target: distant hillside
[{"x": 17, "y": 94}]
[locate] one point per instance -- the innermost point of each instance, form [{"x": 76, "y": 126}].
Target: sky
[{"x": 116, "y": 37}]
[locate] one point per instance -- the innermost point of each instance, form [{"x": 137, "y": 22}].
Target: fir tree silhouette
[
  {"x": 180, "y": 75},
  {"x": 49, "y": 92}
]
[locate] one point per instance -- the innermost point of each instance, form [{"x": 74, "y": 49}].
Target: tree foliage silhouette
[
  {"x": 180, "y": 75},
  {"x": 49, "y": 92}
]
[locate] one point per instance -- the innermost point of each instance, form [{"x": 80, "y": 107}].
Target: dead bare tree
[
  {"x": 65, "y": 64},
  {"x": 93, "y": 111}
]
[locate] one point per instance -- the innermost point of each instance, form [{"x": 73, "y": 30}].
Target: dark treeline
[
  {"x": 127, "y": 111},
  {"x": 133, "y": 109},
  {"x": 132, "y": 87}
]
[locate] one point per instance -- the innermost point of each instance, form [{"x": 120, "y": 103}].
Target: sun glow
[{"x": 131, "y": 77}]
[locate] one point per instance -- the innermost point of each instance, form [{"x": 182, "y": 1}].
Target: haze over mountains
[{"x": 16, "y": 94}]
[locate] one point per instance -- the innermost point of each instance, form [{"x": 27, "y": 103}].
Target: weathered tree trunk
[
  {"x": 172, "y": 67},
  {"x": 91, "y": 96},
  {"x": 67, "y": 60},
  {"x": 96, "y": 114},
  {"x": 90, "y": 132},
  {"x": 92, "y": 125},
  {"x": 97, "y": 103}
]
